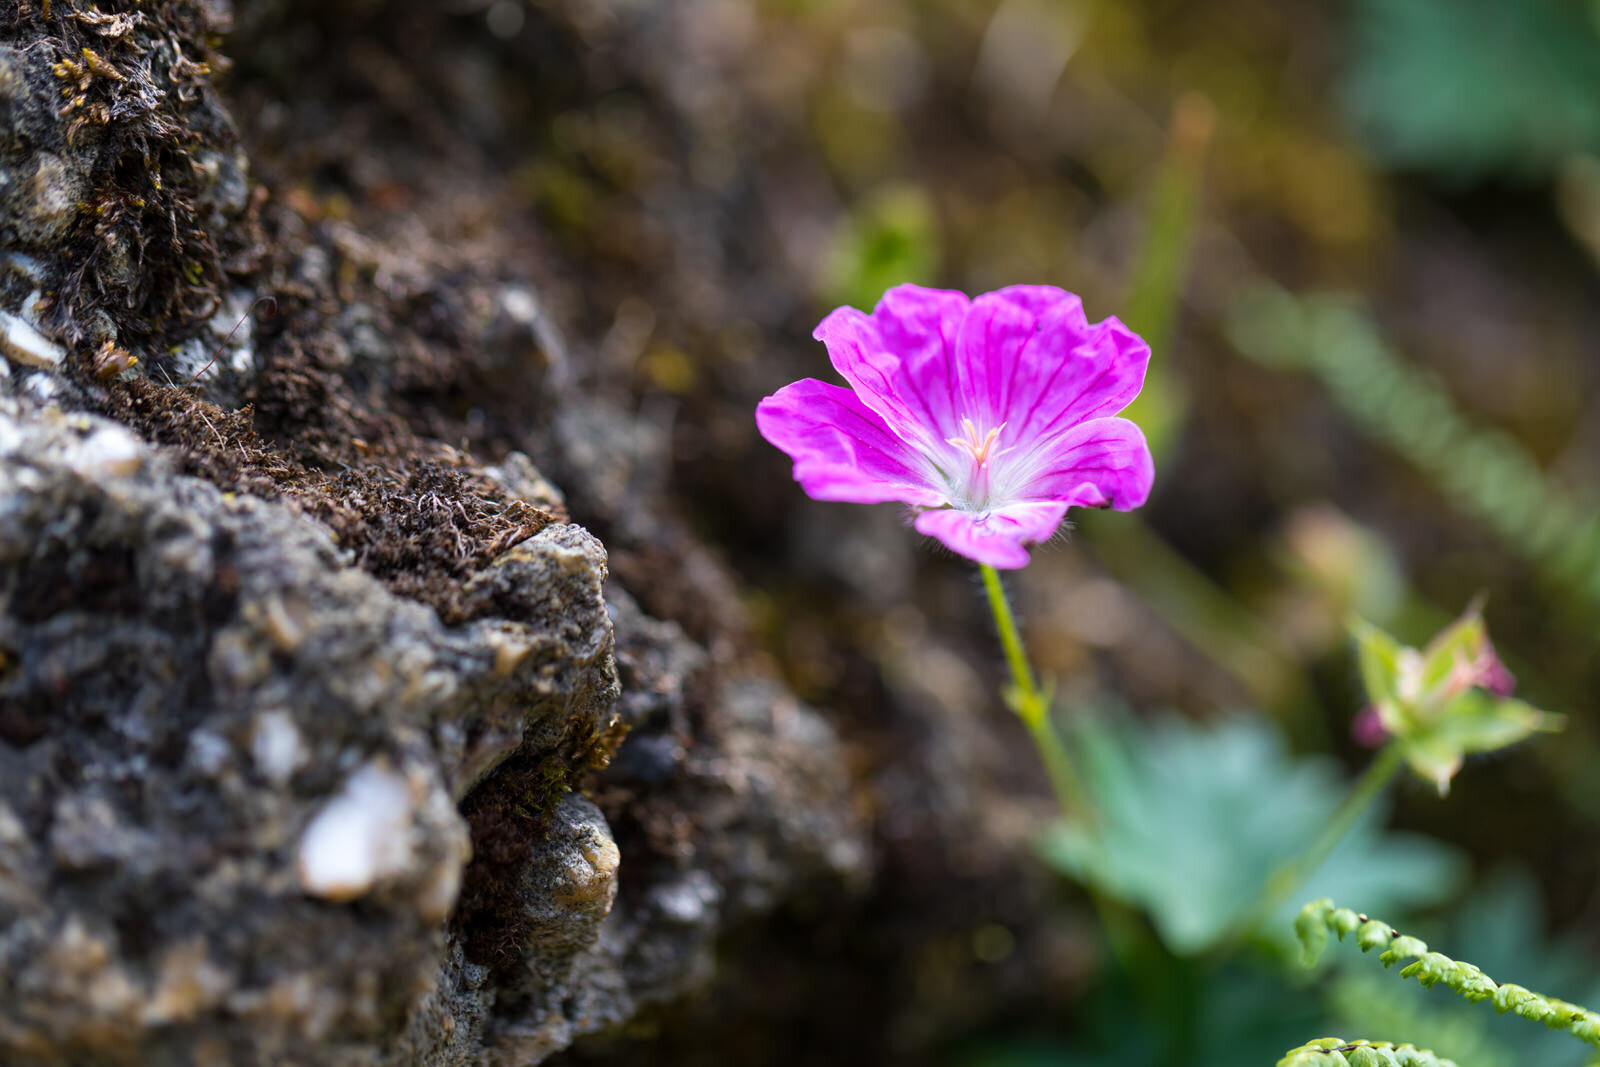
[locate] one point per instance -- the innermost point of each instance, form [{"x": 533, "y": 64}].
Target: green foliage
[
  {"x": 1166, "y": 1011},
  {"x": 1485, "y": 473},
  {"x": 1436, "y": 702},
  {"x": 1464, "y": 88},
  {"x": 1319, "y": 917},
  {"x": 1502, "y": 927},
  {"x": 1450, "y": 1028},
  {"x": 1331, "y": 1051},
  {"x": 1194, "y": 820},
  {"x": 1163, "y": 266},
  {"x": 892, "y": 237}
]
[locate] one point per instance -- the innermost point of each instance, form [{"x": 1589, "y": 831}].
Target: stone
[
  {"x": 323, "y": 740},
  {"x": 327, "y": 771}
]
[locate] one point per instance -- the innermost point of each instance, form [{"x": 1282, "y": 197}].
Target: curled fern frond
[
  {"x": 1319, "y": 917},
  {"x": 1337, "y": 1052}
]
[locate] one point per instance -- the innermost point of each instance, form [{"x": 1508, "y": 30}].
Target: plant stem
[
  {"x": 1032, "y": 705},
  {"x": 1287, "y": 878}
]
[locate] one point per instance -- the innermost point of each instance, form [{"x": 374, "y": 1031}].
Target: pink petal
[
  {"x": 922, "y": 326},
  {"x": 1095, "y": 464},
  {"x": 997, "y": 537},
  {"x": 1028, "y": 358},
  {"x": 898, "y": 359},
  {"x": 842, "y": 450},
  {"x": 859, "y": 353},
  {"x": 1493, "y": 675}
]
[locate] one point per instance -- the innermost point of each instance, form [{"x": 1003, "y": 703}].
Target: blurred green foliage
[
  {"x": 1467, "y": 88},
  {"x": 1175, "y": 1014},
  {"x": 1195, "y": 819},
  {"x": 1158, "y": 282},
  {"x": 890, "y": 237},
  {"x": 1485, "y": 472}
]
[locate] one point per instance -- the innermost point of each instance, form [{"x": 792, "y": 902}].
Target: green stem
[
  {"x": 1287, "y": 878},
  {"x": 1032, "y": 705}
]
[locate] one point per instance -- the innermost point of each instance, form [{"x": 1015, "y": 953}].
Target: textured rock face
[
  {"x": 296, "y": 698},
  {"x": 232, "y": 763}
]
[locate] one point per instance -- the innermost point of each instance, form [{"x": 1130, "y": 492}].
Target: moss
[
  {"x": 422, "y": 528},
  {"x": 132, "y": 101}
]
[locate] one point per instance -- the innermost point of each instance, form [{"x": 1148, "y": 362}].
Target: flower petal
[
  {"x": 859, "y": 354},
  {"x": 1095, "y": 464},
  {"x": 922, "y": 327},
  {"x": 842, "y": 450},
  {"x": 898, "y": 359},
  {"x": 1028, "y": 358},
  {"x": 997, "y": 537}
]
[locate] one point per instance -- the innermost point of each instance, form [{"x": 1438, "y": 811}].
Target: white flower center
[{"x": 973, "y": 487}]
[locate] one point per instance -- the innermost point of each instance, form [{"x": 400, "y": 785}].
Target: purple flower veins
[{"x": 990, "y": 416}]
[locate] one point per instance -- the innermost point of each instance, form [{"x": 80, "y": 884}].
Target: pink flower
[{"x": 990, "y": 417}]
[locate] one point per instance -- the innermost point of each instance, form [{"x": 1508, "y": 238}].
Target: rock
[
  {"x": 568, "y": 890},
  {"x": 305, "y": 711},
  {"x": 214, "y": 730}
]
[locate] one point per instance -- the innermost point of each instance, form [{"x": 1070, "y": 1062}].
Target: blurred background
[{"x": 1363, "y": 240}]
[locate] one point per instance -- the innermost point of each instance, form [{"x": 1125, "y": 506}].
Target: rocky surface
[{"x": 304, "y": 673}]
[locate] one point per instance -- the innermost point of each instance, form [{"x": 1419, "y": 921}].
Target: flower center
[
  {"x": 977, "y": 449},
  {"x": 980, "y": 450}
]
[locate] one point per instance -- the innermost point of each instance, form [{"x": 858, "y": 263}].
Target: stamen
[{"x": 977, "y": 448}]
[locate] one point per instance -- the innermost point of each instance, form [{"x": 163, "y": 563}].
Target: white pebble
[
  {"x": 360, "y": 836},
  {"x": 110, "y": 450},
  {"x": 24, "y": 344},
  {"x": 275, "y": 746}
]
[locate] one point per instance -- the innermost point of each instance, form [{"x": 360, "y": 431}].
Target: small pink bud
[
  {"x": 1367, "y": 728},
  {"x": 1492, "y": 673}
]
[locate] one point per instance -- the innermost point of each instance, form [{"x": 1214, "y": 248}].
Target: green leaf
[
  {"x": 1311, "y": 928},
  {"x": 1193, "y": 820},
  {"x": 1433, "y": 758},
  {"x": 1326, "y": 1052},
  {"x": 1379, "y": 657},
  {"x": 1500, "y": 926},
  {"x": 1480, "y": 722},
  {"x": 1457, "y": 645},
  {"x": 1467, "y": 980}
]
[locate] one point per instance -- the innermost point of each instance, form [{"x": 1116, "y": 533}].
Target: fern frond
[
  {"x": 1320, "y": 917},
  {"x": 1332, "y": 1051},
  {"x": 1485, "y": 472},
  {"x": 1450, "y": 1026},
  {"x": 1337, "y": 1052}
]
